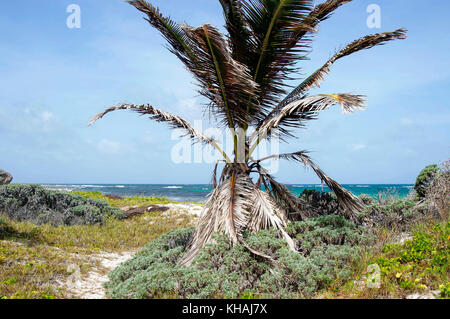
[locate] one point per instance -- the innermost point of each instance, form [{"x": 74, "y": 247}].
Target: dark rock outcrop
[
  {"x": 5, "y": 177},
  {"x": 41, "y": 206}
]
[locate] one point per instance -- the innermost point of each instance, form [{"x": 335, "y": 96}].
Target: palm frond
[
  {"x": 324, "y": 10},
  {"x": 224, "y": 81},
  {"x": 366, "y": 42},
  {"x": 240, "y": 39},
  {"x": 232, "y": 207},
  {"x": 205, "y": 53},
  {"x": 273, "y": 25},
  {"x": 351, "y": 203},
  {"x": 170, "y": 30},
  {"x": 265, "y": 214},
  {"x": 295, "y": 113},
  {"x": 226, "y": 211},
  {"x": 165, "y": 117},
  {"x": 283, "y": 196}
]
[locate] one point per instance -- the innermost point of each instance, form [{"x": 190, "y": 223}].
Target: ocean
[{"x": 198, "y": 193}]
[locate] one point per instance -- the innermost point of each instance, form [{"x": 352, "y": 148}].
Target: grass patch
[
  {"x": 33, "y": 258},
  {"x": 125, "y": 201},
  {"x": 130, "y": 201}
]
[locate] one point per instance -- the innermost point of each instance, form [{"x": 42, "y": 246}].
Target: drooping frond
[
  {"x": 283, "y": 196},
  {"x": 224, "y": 81},
  {"x": 265, "y": 214},
  {"x": 366, "y": 42},
  {"x": 163, "y": 116},
  {"x": 351, "y": 203},
  {"x": 226, "y": 210},
  {"x": 273, "y": 25},
  {"x": 323, "y": 11},
  {"x": 234, "y": 206},
  {"x": 307, "y": 109}
]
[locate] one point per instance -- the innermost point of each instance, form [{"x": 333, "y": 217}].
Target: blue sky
[{"x": 53, "y": 79}]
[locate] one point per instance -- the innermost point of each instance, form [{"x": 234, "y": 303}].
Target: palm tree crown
[{"x": 242, "y": 75}]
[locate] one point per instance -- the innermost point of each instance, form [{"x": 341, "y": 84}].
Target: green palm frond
[
  {"x": 273, "y": 24},
  {"x": 240, "y": 41},
  {"x": 170, "y": 30},
  {"x": 224, "y": 81},
  {"x": 364, "y": 43}
]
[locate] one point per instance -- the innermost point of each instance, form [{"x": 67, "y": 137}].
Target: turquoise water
[{"x": 198, "y": 193}]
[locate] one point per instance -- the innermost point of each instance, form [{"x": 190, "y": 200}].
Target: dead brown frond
[{"x": 307, "y": 108}]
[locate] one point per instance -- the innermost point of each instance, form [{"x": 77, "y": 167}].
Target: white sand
[{"x": 90, "y": 286}]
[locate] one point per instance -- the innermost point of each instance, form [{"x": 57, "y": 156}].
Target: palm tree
[{"x": 243, "y": 76}]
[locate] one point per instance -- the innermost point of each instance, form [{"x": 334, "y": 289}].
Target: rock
[
  {"x": 113, "y": 196},
  {"x": 140, "y": 210},
  {"x": 5, "y": 177}
]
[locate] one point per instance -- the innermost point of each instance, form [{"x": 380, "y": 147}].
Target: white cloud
[
  {"x": 357, "y": 147},
  {"x": 47, "y": 116},
  {"x": 27, "y": 120},
  {"x": 406, "y": 121},
  {"x": 109, "y": 147}
]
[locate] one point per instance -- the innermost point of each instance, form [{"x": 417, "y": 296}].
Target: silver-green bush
[
  {"x": 41, "y": 206},
  {"x": 328, "y": 244}
]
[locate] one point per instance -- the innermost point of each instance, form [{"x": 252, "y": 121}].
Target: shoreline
[{"x": 197, "y": 193}]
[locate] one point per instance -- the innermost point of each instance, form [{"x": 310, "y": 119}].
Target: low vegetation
[
  {"x": 395, "y": 248},
  {"x": 38, "y": 205},
  {"x": 223, "y": 270},
  {"x": 34, "y": 259},
  {"x": 424, "y": 180},
  {"x": 120, "y": 202},
  {"x": 417, "y": 267}
]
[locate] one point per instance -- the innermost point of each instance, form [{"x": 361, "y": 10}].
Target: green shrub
[
  {"x": 321, "y": 203},
  {"x": 437, "y": 192},
  {"x": 396, "y": 213},
  {"x": 41, "y": 206},
  {"x": 424, "y": 179},
  {"x": 328, "y": 245}
]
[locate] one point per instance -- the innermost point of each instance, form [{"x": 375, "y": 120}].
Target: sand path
[{"x": 91, "y": 285}]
